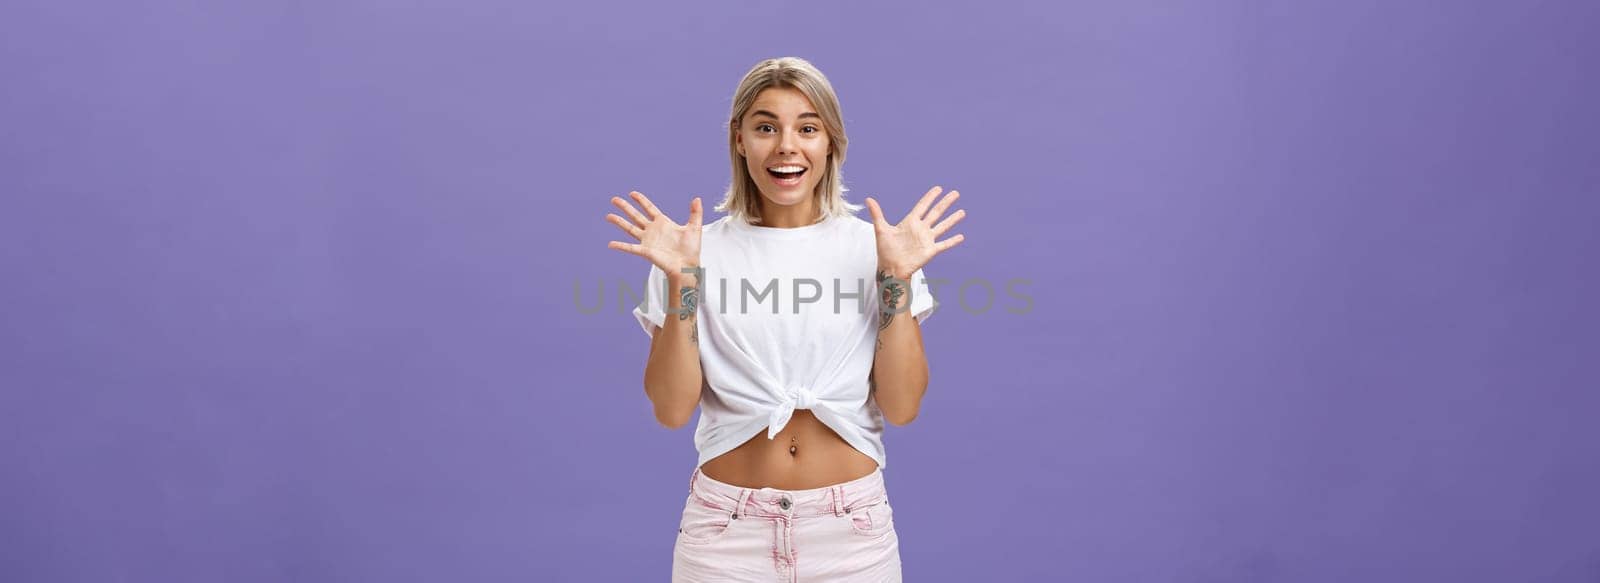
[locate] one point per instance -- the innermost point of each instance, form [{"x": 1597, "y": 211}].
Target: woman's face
[{"x": 782, "y": 132}]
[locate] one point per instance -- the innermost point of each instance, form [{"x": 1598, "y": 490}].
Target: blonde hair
[{"x": 743, "y": 199}]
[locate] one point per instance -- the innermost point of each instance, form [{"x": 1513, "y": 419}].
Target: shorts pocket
[
  {"x": 703, "y": 522},
  {"x": 872, "y": 519}
]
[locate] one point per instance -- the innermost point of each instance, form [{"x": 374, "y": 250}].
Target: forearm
[
  {"x": 900, "y": 369},
  {"x": 672, "y": 375}
]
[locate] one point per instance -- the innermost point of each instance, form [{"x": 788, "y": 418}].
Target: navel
[{"x": 794, "y": 447}]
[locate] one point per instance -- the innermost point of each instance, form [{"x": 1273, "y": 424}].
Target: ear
[{"x": 738, "y": 140}]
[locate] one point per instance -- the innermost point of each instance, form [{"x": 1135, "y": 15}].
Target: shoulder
[
  {"x": 717, "y": 227},
  {"x": 861, "y": 232},
  {"x": 855, "y": 224}
]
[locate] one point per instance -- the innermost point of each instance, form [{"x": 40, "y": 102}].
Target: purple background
[{"x": 288, "y": 288}]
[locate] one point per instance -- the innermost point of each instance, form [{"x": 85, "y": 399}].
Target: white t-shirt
[{"x": 766, "y": 349}]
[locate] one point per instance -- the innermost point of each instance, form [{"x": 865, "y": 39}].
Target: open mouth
[{"x": 786, "y": 175}]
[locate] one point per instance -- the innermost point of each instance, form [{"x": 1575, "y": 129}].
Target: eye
[
  {"x": 763, "y": 127},
  {"x": 812, "y": 128}
]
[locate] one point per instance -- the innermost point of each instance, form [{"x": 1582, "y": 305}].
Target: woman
[{"x": 794, "y": 384}]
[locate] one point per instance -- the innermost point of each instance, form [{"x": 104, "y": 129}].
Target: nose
[{"x": 786, "y": 144}]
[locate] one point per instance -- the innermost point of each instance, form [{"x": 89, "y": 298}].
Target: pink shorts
[{"x": 843, "y": 532}]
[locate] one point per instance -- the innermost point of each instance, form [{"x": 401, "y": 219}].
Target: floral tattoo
[
  {"x": 689, "y": 297},
  {"x": 894, "y": 291}
]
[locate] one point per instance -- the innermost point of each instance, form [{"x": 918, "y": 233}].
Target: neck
[{"x": 789, "y": 217}]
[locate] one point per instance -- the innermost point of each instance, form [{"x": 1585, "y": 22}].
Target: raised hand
[
  {"x": 905, "y": 247},
  {"x": 665, "y": 243}
]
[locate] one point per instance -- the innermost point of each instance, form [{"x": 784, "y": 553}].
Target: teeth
[{"x": 786, "y": 169}]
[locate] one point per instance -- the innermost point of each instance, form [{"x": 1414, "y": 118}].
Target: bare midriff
[{"x": 806, "y": 454}]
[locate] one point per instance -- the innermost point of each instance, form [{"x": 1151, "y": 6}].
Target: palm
[
  {"x": 665, "y": 243},
  {"x": 905, "y": 247}
]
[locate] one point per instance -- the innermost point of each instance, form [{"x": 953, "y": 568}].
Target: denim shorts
[{"x": 843, "y": 532}]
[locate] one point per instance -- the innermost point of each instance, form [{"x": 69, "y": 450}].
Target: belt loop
[
  {"x": 693, "y": 477},
  {"x": 838, "y": 500},
  {"x": 738, "y": 508}
]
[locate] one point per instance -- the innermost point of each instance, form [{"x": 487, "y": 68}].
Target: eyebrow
[{"x": 769, "y": 114}]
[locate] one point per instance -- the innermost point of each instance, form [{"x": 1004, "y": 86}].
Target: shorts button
[{"x": 784, "y": 503}]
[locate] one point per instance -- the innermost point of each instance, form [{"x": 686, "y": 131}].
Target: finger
[
  {"x": 948, "y": 222},
  {"x": 695, "y": 212},
  {"x": 649, "y": 207},
  {"x": 941, "y": 246},
  {"x": 877, "y": 213},
  {"x": 626, "y": 226},
  {"x": 922, "y": 205},
  {"x": 638, "y": 219},
  {"x": 938, "y": 210},
  {"x": 633, "y": 248}
]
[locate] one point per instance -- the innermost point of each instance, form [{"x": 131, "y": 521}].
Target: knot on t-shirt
[
  {"x": 803, "y": 397},
  {"x": 794, "y": 398}
]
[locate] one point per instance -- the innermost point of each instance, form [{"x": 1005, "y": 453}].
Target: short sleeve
[
  {"x": 922, "y": 300},
  {"x": 652, "y": 310}
]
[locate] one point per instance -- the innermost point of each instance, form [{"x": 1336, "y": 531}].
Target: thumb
[
  {"x": 695, "y": 212},
  {"x": 877, "y": 213}
]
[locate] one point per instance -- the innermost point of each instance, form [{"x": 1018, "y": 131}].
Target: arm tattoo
[
  {"x": 690, "y": 298},
  {"x": 893, "y": 293}
]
